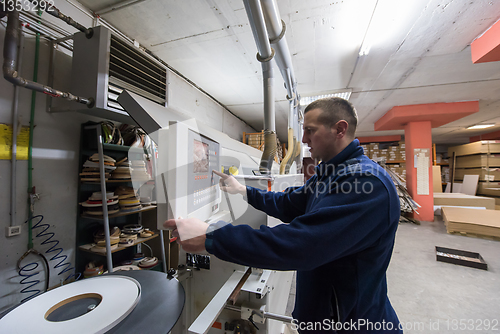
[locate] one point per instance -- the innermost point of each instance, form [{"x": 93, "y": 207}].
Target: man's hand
[
  {"x": 190, "y": 233},
  {"x": 230, "y": 185}
]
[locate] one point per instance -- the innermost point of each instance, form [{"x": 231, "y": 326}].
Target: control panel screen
[
  {"x": 202, "y": 188},
  {"x": 200, "y": 157}
]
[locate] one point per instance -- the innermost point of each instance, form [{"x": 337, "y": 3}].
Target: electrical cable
[
  {"x": 145, "y": 244},
  {"x": 24, "y": 272},
  {"x": 53, "y": 248}
]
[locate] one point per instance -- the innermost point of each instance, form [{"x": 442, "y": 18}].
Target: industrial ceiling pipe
[
  {"x": 10, "y": 73},
  {"x": 54, "y": 11},
  {"x": 276, "y": 29},
  {"x": 265, "y": 54}
]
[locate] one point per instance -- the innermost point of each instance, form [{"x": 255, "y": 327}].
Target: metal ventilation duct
[
  {"x": 104, "y": 65},
  {"x": 132, "y": 70}
]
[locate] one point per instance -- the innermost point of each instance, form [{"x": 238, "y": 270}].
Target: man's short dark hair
[{"x": 335, "y": 109}]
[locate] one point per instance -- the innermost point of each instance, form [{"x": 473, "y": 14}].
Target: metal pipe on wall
[
  {"x": 10, "y": 72},
  {"x": 42, "y": 23},
  {"x": 54, "y": 11},
  {"x": 15, "y": 116}
]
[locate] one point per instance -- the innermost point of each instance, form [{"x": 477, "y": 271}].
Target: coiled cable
[
  {"x": 25, "y": 270},
  {"x": 25, "y": 273}
]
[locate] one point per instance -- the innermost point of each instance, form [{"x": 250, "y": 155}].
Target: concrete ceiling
[{"x": 420, "y": 54}]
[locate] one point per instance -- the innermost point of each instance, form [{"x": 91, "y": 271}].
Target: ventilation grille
[{"x": 131, "y": 70}]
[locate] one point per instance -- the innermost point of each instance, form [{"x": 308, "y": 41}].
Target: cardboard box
[
  {"x": 457, "y": 199},
  {"x": 479, "y": 147},
  {"x": 478, "y": 160},
  {"x": 464, "y": 220},
  {"x": 485, "y": 174}
]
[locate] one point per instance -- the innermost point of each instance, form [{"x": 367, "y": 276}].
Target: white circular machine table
[{"x": 120, "y": 295}]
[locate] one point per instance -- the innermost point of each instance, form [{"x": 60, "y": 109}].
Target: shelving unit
[
  {"x": 120, "y": 214},
  {"x": 87, "y": 247},
  {"x": 92, "y": 141}
]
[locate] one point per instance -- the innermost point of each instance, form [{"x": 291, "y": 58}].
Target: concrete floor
[{"x": 437, "y": 297}]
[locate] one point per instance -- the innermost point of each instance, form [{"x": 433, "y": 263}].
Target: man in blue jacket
[{"x": 340, "y": 232}]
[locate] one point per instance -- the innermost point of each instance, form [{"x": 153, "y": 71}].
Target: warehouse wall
[{"x": 55, "y": 161}]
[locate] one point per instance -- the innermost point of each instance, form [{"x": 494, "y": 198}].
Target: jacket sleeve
[
  {"x": 284, "y": 205},
  {"x": 339, "y": 224}
]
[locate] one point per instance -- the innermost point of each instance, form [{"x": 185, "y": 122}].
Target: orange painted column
[{"x": 418, "y": 136}]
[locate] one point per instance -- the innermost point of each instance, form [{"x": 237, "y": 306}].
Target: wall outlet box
[{"x": 11, "y": 231}]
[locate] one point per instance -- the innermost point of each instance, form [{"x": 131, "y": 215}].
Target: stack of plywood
[
  {"x": 457, "y": 199},
  {"x": 473, "y": 222},
  {"x": 480, "y": 158}
]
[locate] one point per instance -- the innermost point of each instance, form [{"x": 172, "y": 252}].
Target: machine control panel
[{"x": 202, "y": 187}]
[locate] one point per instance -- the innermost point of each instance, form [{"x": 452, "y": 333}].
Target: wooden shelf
[
  {"x": 116, "y": 181},
  {"x": 87, "y": 247},
  {"x": 123, "y": 148},
  {"x": 120, "y": 214},
  {"x": 395, "y": 161}
]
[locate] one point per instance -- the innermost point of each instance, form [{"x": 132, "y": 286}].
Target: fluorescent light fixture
[
  {"x": 388, "y": 17},
  {"x": 305, "y": 100},
  {"x": 480, "y": 126},
  {"x": 365, "y": 49}
]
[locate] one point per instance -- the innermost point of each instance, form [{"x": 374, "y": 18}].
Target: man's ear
[{"x": 341, "y": 128}]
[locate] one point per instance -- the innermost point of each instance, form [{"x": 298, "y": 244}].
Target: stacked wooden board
[
  {"x": 480, "y": 158},
  {"x": 457, "y": 199},
  {"x": 472, "y": 222}
]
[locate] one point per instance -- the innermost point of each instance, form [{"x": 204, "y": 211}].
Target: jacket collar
[{"x": 352, "y": 150}]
